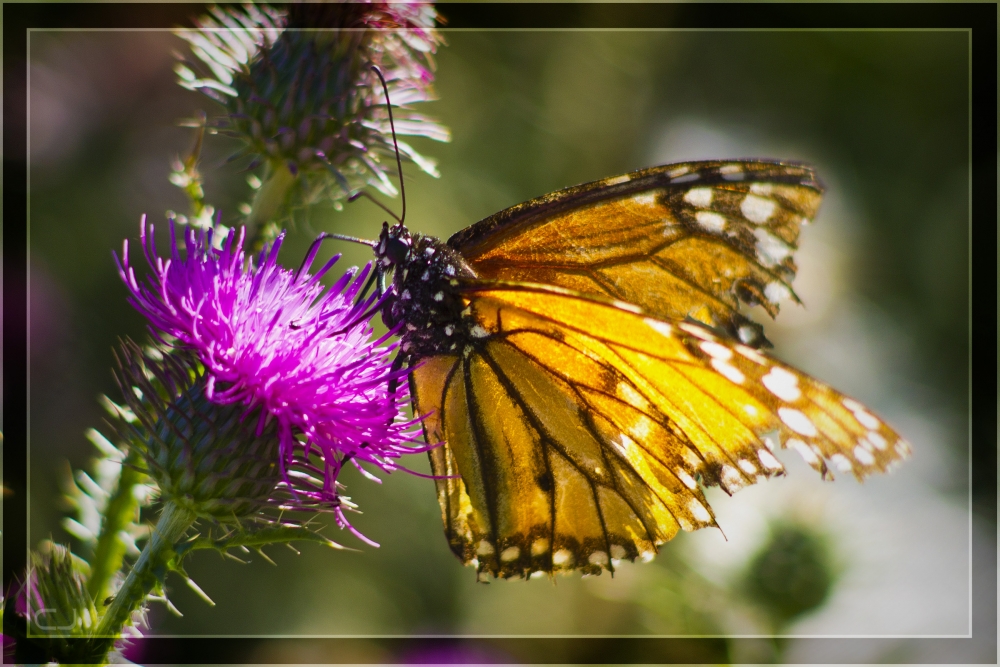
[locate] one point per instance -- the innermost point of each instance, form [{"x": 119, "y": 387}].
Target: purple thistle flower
[{"x": 280, "y": 341}]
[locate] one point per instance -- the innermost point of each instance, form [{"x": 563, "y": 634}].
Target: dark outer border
[{"x": 981, "y": 19}]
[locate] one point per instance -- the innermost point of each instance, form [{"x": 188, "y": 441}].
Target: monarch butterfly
[{"x": 581, "y": 363}]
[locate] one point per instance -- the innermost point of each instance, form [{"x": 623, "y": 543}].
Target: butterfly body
[
  {"x": 583, "y": 365},
  {"x": 425, "y": 300}
]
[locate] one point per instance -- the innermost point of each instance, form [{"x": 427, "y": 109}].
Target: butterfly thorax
[{"x": 425, "y": 297}]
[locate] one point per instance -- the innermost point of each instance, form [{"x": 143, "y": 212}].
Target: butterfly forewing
[
  {"x": 683, "y": 240},
  {"x": 584, "y": 430}
]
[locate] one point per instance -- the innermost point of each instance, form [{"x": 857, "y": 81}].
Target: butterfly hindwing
[
  {"x": 683, "y": 240},
  {"x": 583, "y": 429}
]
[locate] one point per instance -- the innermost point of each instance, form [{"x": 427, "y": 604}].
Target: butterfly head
[{"x": 394, "y": 246}]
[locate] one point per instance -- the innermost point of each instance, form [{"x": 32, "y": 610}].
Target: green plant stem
[
  {"x": 118, "y": 516},
  {"x": 173, "y": 523}
]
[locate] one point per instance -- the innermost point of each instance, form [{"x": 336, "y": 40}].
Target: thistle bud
[
  {"x": 217, "y": 461},
  {"x": 298, "y": 89},
  {"x": 791, "y": 575},
  {"x": 53, "y": 611}
]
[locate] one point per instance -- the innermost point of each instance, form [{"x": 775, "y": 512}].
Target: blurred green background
[{"x": 882, "y": 115}]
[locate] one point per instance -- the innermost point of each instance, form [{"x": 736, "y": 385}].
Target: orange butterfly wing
[
  {"x": 582, "y": 428},
  {"x": 691, "y": 239}
]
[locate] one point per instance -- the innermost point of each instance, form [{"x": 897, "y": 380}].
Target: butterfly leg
[
  {"x": 397, "y": 365},
  {"x": 368, "y": 285}
]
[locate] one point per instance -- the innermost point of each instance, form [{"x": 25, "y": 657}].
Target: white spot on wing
[
  {"x": 625, "y": 305},
  {"x": 598, "y": 558},
  {"x": 852, "y": 405},
  {"x": 731, "y": 478},
  {"x": 877, "y": 440},
  {"x": 747, "y": 333},
  {"x": 686, "y": 479},
  {"x": 691, "y": 458},
  {"x": 700, "y": 197},
  {"x": 539, "y": 546},
  {"x": 617, "y": 180},
  {"x": 687, "y": 178},
  {"x": 562, "y": 557},
  {"x": 771, "y": 250},
  {"x": 478, "y": 332},
  {"x": 782, "y": 384},
  {"x": 642, "y": 427},
  {"x": 618, "y": 551},
  {"x": 757, "y": 209},
  {"x": 696, "y": 331},
  {"x": 715, "y": 350},
  {"x": 729, "y": 371},
  {"x": 776, "y": 292},
  {"x": 628, "y": 393},
  {"x": 866, "y": 419},
  {"x": 484, "y": 548},
  {"x": 698, "y": 511},
  {"x": 862, "y": 455},
  {"x": 623, "y": 444},
  {"x": 761, "y": 188},
  {"x": 731, "y": 172},
  {"x": 768, "y": 460},
  {"x": 660, "y": 327},
  {"x": 747, "y": 467},
  {"x": 802, "y": 448},
  {"x": 797, "y": 421},
  {"x": 509, "y": 554},
  {"x": 751, "y": 354},
  {"x": 713, "y": 222},
  {"x": 842, "y": 463},
  {"x": 678, "y": 171}
]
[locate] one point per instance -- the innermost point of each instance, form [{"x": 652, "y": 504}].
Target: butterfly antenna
[
  {"x": 352, "y": 239},
  {"x": 392, "y": 127},
  {"x": 370, "y": 244},
  {"x": 364, "y": 193}
]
